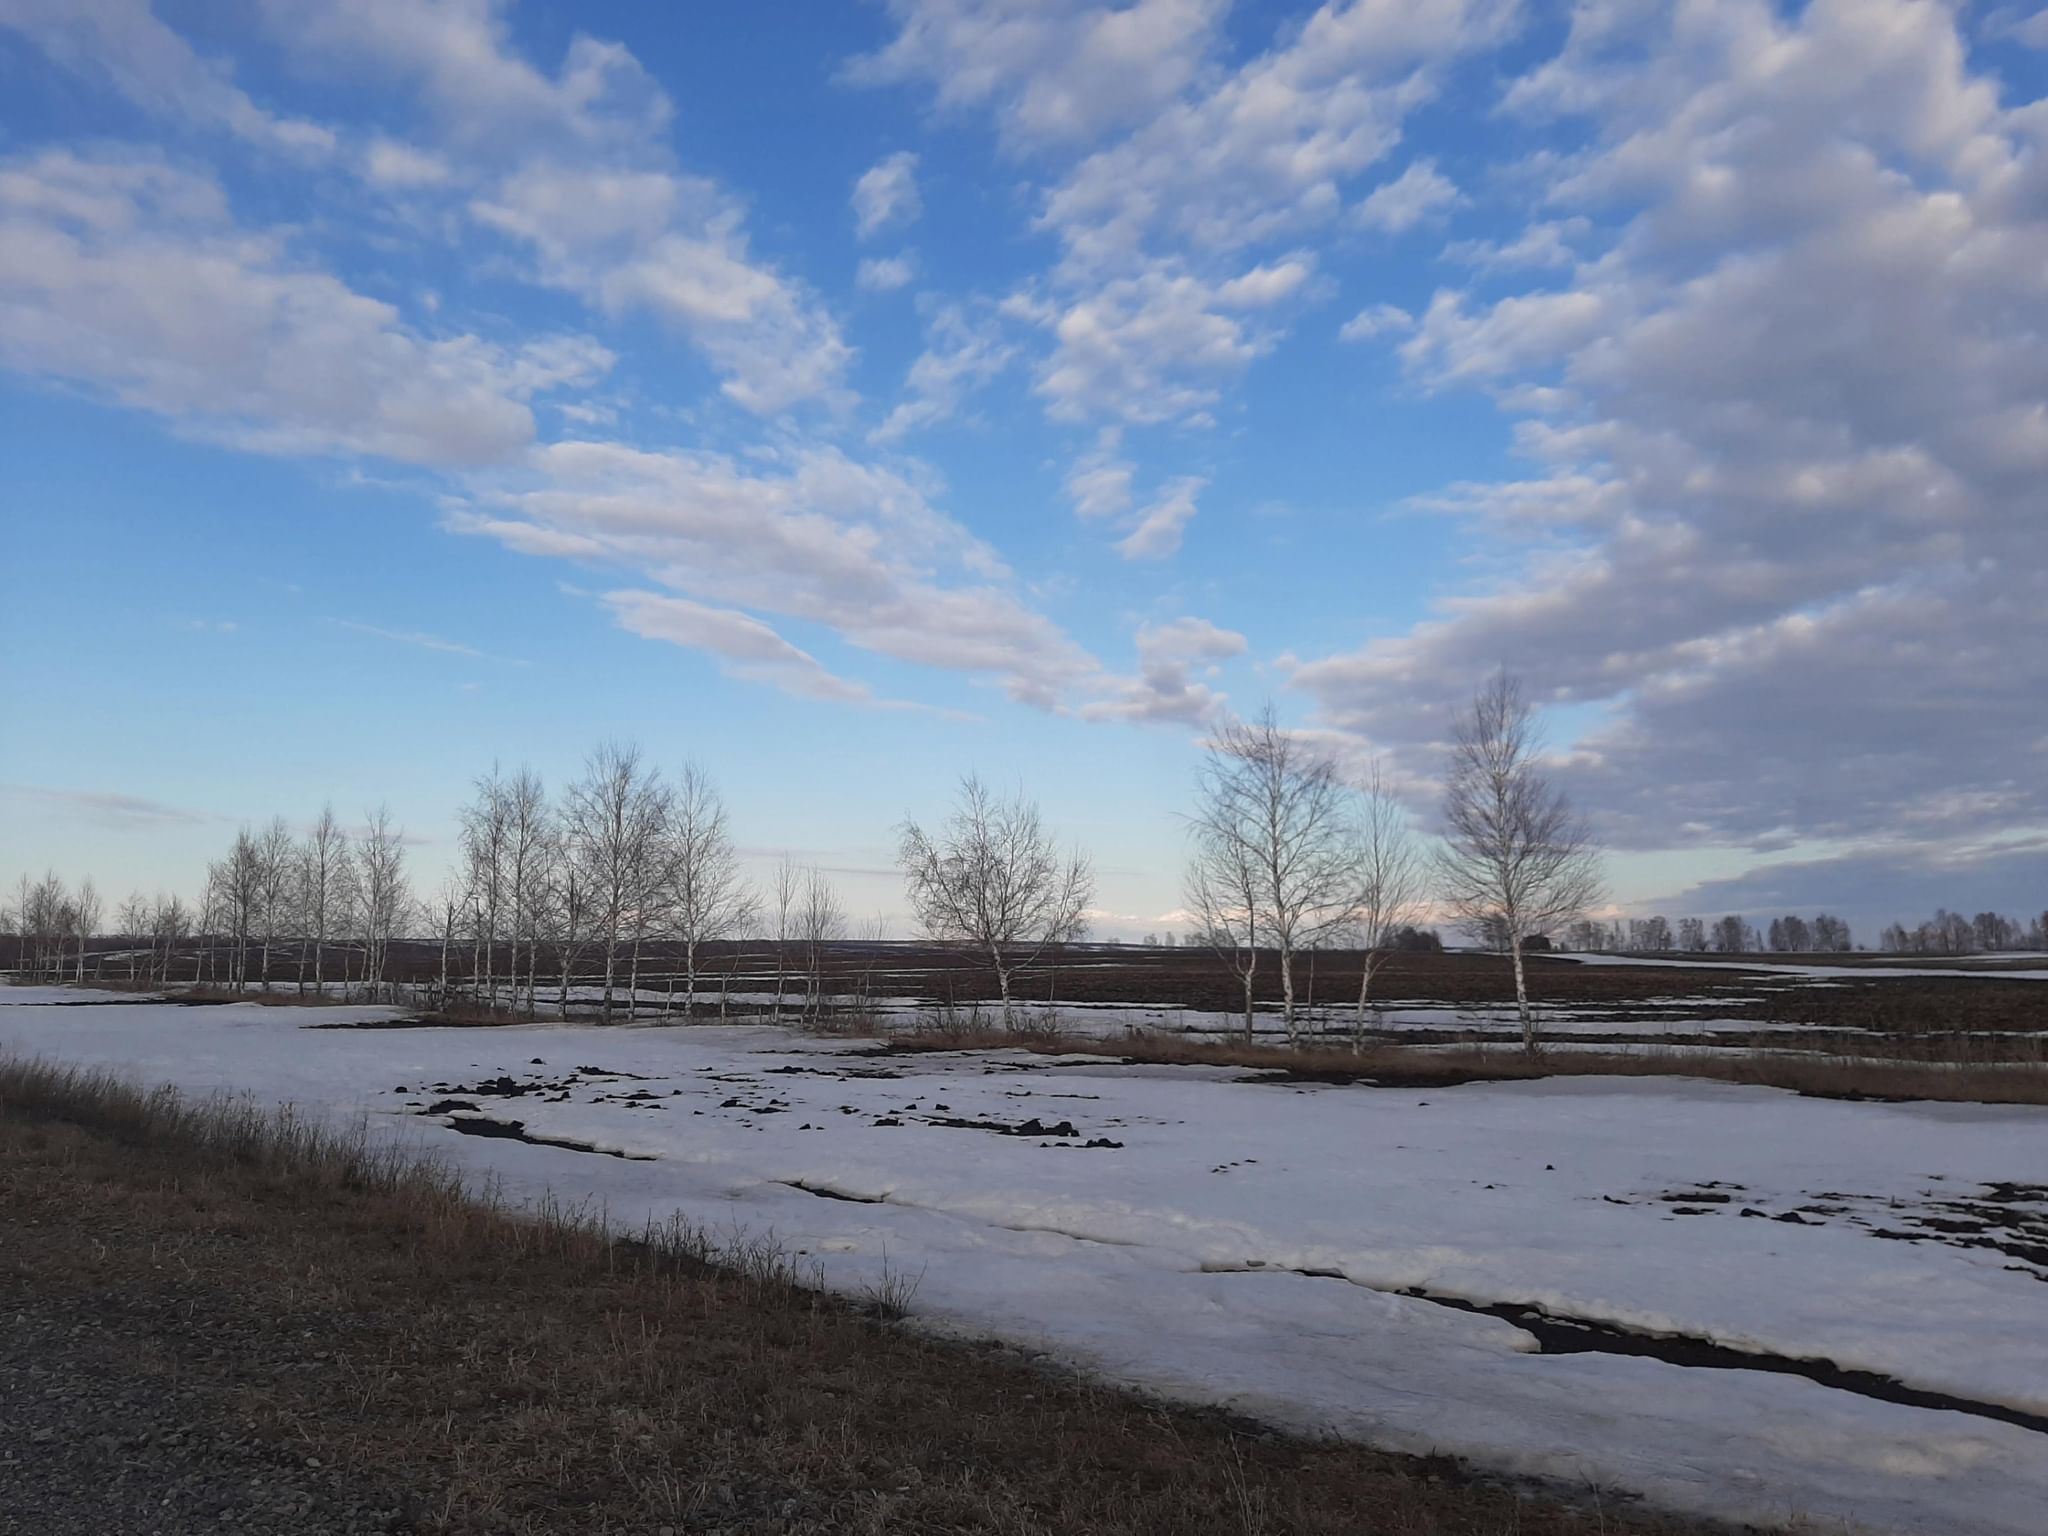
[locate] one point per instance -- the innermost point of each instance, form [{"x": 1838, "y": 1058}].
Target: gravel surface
[{"x": 106, "y": 1428}]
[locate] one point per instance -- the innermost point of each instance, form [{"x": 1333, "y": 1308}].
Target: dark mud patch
[
  {"x": 834, "y": 1194},
  {"x": 515, "y": 1130},
  {"x": 1562, "y": 1335}
]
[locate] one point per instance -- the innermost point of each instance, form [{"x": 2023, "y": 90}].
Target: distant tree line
[
  {"x": 1951, "y": 933},
  {"x": 1789, "y": 935}
]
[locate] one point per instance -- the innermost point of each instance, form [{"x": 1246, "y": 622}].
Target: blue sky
[{"x": 850, "y": 396}]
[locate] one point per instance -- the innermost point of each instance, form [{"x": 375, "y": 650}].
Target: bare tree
[
  {"x": 528, "y": 848},
  {"x": 383, "y": 898},
  {"x": 613, "y": 817},
  {"x": 485, "y": 831},
  {"x": 1515, "y": 857},
  {"x": 133, "y": 920},
  {"x": 85, "y": 909},
  {"x": 1222, "y": 892},
  {"x": 323, "y": 858},
  {"x": 1387, "y": 879},
  {"x": 275, "y": 858},
  {"x": 820, "y": 919},
  {"x": 788, "y": 883},
  {"x": 1282, "y": 805},
  {"x": 992, "y": 881},
  {"x": 707, "y": 899},
  {"x": 169, "y": 921}
]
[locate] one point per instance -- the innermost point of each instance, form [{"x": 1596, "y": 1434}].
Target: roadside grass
[
  {"x": 529, "y": 1372},
  {"x": 2009, "y": 1072}
]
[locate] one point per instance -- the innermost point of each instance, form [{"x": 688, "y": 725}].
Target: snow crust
[{"x": 1172, "y": 1260}]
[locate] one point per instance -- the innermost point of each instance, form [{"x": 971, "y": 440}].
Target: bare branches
[
  {"x": 1272, "y": 839},
  {"x": 706, "y": 897},
  {"x": 1388, "y": 879},
  {"x": 613, "y": 818},
  {"x": 1516, "y": 860},
  {"x": 992, "y": 880}
]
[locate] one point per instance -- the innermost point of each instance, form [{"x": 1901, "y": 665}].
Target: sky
[{"x": 848, "y": 397}]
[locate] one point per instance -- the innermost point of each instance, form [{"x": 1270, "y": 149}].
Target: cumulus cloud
[
  {"x": 1419, "y": 193},
  {"x": 1176, "y": 163},
  {"x": 459, "y": 60},
  {"x": 675, "y": 246},
  {"x": 1163, "y": 691},
  {"x": 1160, "y": 345},
  {"x": 886, "y": 195},
  {"x": 1792, "y": 426},
  {"x": 885, "y": 274},
  {"x": 1376, "y": 320},
  {"x": 1160, "y": 525},
  {"x": 130, "y": 276},
  {"x": 394, "y": 166},
  {"x": 962, "y": 354},
  {"x": 123, "y": 43},
  {"x": 1053, "y": 71}
]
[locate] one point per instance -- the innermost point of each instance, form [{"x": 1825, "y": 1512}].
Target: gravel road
[{"x": 106, "y": 1430}]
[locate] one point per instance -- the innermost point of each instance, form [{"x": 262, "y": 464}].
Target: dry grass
[
  {"x": 529, "y": 1373},
  {"x": 1898, "y": 1070}
]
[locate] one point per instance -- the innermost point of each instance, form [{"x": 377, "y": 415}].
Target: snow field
[{"x": 1173, "y": 1259}]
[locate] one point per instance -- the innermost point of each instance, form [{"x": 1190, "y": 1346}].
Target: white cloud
[
  {"x": 674, "y": 245},
  {"x": 1421, "y": 192},
  {"x": 886, "y": 195},
  {"x": 961, "y": 355},
  {"x": 1546, "y": 243},
  {"x": 124, "y": 43},
  {"x": 1376, "y": 320},
  {"x": 1804, "y": 578},
  {"x": 750, "y": 648},
  {"x": 1163, "y": 692},
  {"x": 885, "y": 274},
  {"x": 1185, "y": 163},
  {"x": 128, "y": 275},
  {"x": 398, "y": 167},
  {"x": 1161, "y": 524},
  {"x": 1157, "y": 346},
  {"x": 1055, "y": 71},
  {"x": 804, "y": 532},
  {"x": 458, "y": 56},
  {"x": 1100, "y": 485}
]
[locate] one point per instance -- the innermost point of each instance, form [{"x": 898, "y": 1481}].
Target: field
[
  {"x": 1967, "y": 1008},
  {"x": 1721, "y": 1298}
]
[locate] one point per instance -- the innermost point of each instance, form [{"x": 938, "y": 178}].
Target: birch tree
[
  {"x": 992, "y": 881},
  {"x": 788, "y": 884},
  {"x": 322, "y": 859},
  {"x": 1516, "y": 859},
  {"x": 1222, "y": 893},
  {"x": 1280, "y": 806},
  {"x": 485, "y": 830},
  {"x": 820, "y": 919},
  {"x": 707, "y": 899},
  {"x": 613, "y": 817},
  {"x": 1387, "y": 879},
  {"x": 85, "y": 909},
  {"x": 383, "y": 897},
  {"x": 528, "y": 849},
  {"x": 274, "y": 864}
]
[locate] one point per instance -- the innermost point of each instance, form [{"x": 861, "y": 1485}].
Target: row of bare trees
[
  {"x": 53, "y": 924},
  {"x": 1951, "y": 933},
  {"x": 1732, "y": 935},
  {"x": 1287, "y": 852},
  {"x": 625, "y": 858}
]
